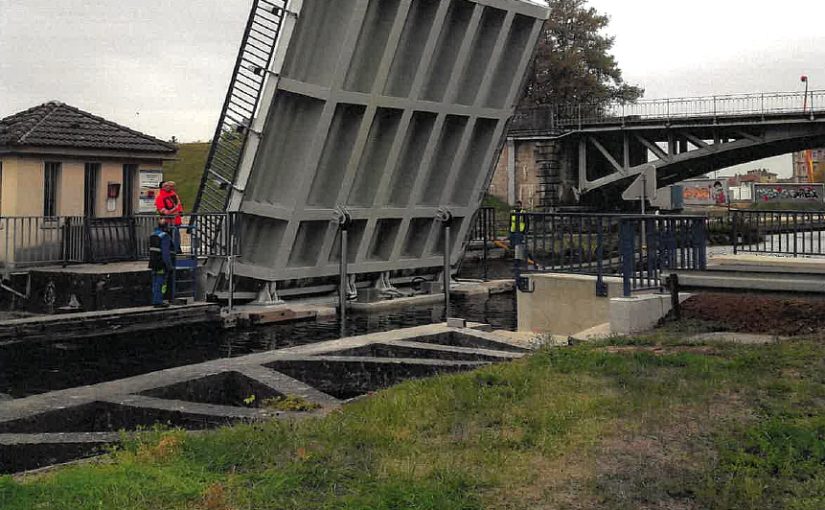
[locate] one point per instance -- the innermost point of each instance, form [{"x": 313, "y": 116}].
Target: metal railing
[
  {"x": 567, "y": 117},
  {"x": 29, "y": 242},
  {"x": 240, "y": 105},
  {"x": 651, "y": 244},
  {"x": 793, "y": 233},
  {"x": 37, "y": 241},
  {"x": 637, "y": 248}
]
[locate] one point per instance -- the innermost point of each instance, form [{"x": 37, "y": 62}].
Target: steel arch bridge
[{"x": 609, "y": 146}]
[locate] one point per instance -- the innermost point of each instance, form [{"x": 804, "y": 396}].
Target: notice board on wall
[{"x": 149, "y": 182}]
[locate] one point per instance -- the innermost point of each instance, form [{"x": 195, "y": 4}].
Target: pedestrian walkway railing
[
  {"x": 634, "y": 247},
  {"x": 29, "y": 242},
  {"x": 791, "y": 233},
  {"x": 571, "y": 116}
]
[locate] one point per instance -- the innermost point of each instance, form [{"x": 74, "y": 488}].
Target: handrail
[
  {"x": 37, "y": 241},
  {"x": 572, "y": 116}
]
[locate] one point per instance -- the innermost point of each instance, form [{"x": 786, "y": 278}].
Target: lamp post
[{"x": 804, "y": 79}]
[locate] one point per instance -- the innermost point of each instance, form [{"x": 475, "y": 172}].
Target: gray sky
[
  {"x": 706, "y": 47},
  {"x": 158, "y": 66},
  {"x": 163, "y": 66}
]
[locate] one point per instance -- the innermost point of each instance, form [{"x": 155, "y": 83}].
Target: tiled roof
[{"x": 55, "y": 124}]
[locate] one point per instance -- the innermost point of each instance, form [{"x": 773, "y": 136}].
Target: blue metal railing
[
  {"x": 637, "y": 248},
  {"x": 793, "y": 233}
]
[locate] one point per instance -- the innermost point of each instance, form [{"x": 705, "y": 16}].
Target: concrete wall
[
  {"x": 536, "y": 163},
  {"x": 526, "y": 186},
  {"x": 565, "y": 304}
]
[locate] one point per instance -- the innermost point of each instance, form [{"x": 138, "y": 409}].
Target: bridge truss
[{"x": 608, "y": 145}]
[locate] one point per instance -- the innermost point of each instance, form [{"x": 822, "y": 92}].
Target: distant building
[
  {"x": 800, "y": 165},
  {"x": 759, "y": 176},
  {"x": 57, "y": 160}
]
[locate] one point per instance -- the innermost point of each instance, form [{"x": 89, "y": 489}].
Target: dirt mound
[{"x": 755, "y": 313}]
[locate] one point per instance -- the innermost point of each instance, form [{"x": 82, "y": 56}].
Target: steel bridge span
[{"x": 601, "y": 150}]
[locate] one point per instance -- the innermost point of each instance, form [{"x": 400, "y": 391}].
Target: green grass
[
  {"x": 648, "y": 422},
  {"x": 187, "y": 170}
]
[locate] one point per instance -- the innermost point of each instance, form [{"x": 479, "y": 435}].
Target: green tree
[{"x": 573, "y": 62}]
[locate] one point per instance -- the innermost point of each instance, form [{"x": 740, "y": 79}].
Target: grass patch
[
  {"x": 187, "y": 170},
  {"x": 632, "y": 423}
]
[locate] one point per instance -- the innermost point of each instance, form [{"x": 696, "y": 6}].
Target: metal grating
[{"x": 240, "y": 106}]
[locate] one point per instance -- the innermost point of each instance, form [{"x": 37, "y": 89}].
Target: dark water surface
[{"x": 32, "y": 368}]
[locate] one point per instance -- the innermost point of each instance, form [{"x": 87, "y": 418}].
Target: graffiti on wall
[
  {"x": 706, "y": 191},
  {"x": 788, "y": 192}
]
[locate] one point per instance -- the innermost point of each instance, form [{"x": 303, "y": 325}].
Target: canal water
[{"x": 32, "y": 368}]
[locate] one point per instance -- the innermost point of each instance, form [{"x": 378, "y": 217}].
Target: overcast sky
[{"x": 163, "y": 66}]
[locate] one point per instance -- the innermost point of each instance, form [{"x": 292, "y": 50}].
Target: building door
[
  {"x": 92, "y": 176},
  {"x": 130, "y": 172}
]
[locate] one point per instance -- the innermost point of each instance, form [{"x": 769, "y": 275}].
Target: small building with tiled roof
[{"x": 58, "y": 160}]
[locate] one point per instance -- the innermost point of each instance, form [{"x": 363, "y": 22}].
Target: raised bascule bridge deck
[{"x": 384, "y": 111}]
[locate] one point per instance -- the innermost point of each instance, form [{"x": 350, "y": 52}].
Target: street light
[{"x": 804, "y": 79}]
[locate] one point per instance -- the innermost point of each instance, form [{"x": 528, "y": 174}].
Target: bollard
[
  {"x": 446, "y": 219},
  {"x": 342, "y": 288},
  {"x": 675, "y": 304},
  {"x": 446, "y": 270},
  {"x": 344, "y": 219}
]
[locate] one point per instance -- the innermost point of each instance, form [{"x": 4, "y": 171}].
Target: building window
[
  {"x": 92, "y": 176},
  {"x": 130, "y": 173},
  {"x": 51, "y": 182}
]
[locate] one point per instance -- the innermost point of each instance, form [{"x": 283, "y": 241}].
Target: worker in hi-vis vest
[
  {"x": 518, "y": 219},
  {"x": 519, "y": 224}
]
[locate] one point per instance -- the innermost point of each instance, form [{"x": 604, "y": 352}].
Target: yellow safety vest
[{"x": 517, "y": 223}]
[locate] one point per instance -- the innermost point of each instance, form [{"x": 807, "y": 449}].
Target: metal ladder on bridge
[{"x": 240, "y": 106}]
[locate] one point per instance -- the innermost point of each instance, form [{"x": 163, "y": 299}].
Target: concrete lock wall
[
  {"x": 392, "y": 109},
  {"x": 565, "y": 304}
]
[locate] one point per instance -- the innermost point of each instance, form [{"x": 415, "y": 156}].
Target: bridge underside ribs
[{"x": 680, "y": 152}]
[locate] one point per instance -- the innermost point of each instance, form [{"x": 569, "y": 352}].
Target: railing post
[
  {"x": 66, "y": 229},
  {"x": 715, "y": 120},
  {"x": 763, "y": 106},
  {"x": 627, "y": 242},
  {"x": 700, "y": 245},
  {"x": 133, "y": 236},
  {"x": 601, "y": 288},
  {"x": 735, "y": 231},
  {"x": 795, "y": 235},
  {"x": 812, "y": 105},
  {"x": 231, "y": 263},
  {"x": 486, "y": 214}
]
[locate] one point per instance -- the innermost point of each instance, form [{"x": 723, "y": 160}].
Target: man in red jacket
[{"x": 168, "y": 202}]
